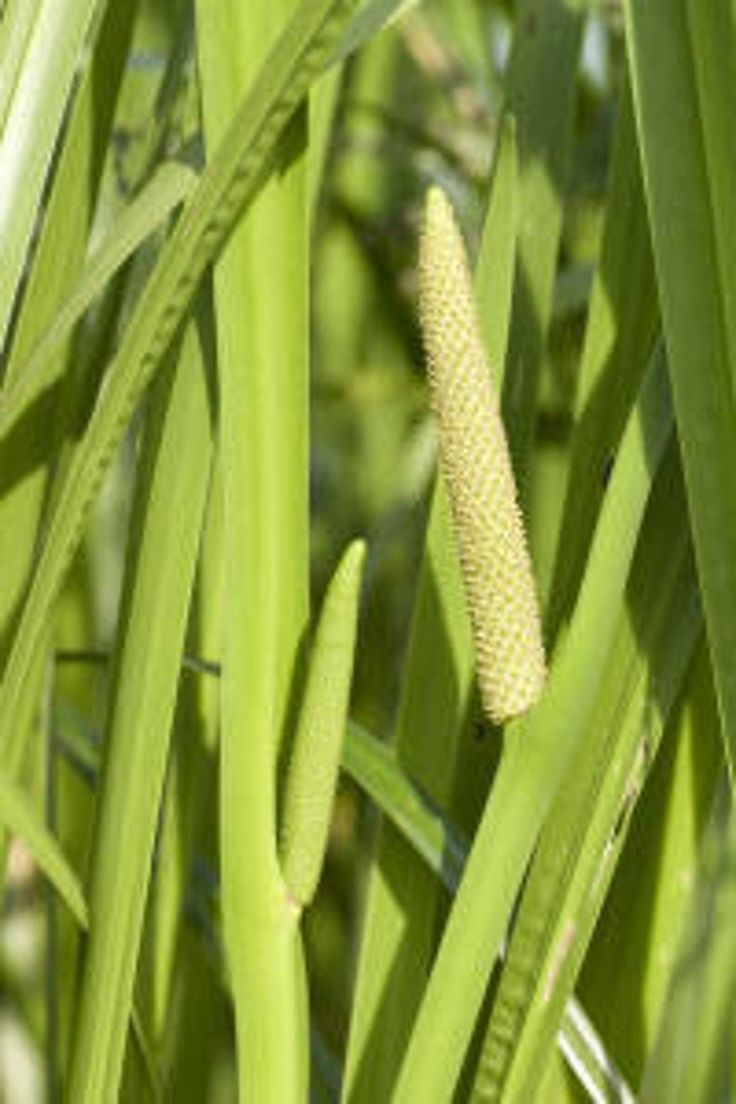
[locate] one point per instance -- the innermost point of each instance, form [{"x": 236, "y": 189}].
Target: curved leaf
[
  {"x": 168, "y": 188},
  {"x": 232, "y": 179}
]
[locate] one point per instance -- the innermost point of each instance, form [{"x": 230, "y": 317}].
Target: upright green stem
[{"x": 261, "y": 305}]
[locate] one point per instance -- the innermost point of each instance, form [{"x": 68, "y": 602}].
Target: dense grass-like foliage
[{"x": 267, "y": 836}]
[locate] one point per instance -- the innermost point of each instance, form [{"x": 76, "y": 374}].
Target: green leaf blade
[{"x": 687, "y": 139}]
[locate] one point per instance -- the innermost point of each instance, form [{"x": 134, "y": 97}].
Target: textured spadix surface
[
  {"x": 315, "y": 759},
  {"x": 474, "y": 459}
]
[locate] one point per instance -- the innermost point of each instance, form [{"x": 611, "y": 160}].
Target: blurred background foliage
[{"x": 420, "y": 103}]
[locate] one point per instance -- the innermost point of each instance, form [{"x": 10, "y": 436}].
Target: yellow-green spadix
[
  {"x": 315, "y": 758},
  {"x": 475, "y": 464}
]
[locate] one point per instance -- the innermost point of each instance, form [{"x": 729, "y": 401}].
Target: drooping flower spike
[{"x": 475, "y": 464}]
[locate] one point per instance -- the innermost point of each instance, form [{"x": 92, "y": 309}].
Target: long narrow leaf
[
  {"x": 584, "y": 833},
  {"x": 619, "y": 337},
  {"x": 145, "y": 214},
  {"x": 225, "y": 189},
  {"x": 31, "y": 128},
  {"x": 682, "y": 56},
  {"x": 534, "y": 761},
  {"x": 168, "y": 518},
  {"x": 541, "y": 98},
  {"x": 693, "y": 1055}
]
